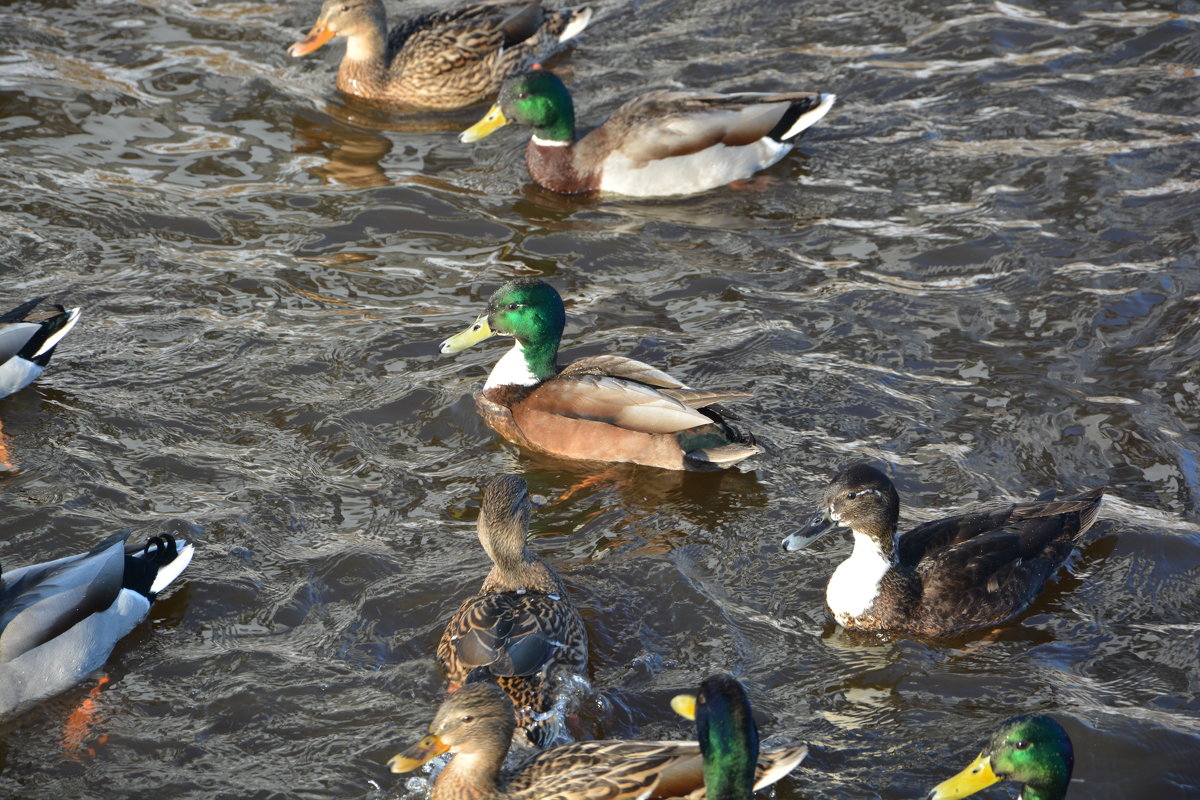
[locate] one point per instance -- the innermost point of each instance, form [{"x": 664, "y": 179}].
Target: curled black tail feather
[{"x": 141, "y": 569}]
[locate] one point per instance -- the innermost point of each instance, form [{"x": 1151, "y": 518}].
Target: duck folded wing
[
  {"x": 1086, "y": 506},
  {"x": 1077, "y": 513},
  {"x": 451, "y": 41},
  {"x": 665, "y": 124},
  {"x": 39, "y": 604},
  {"x": 14, "y": 336},
  {"x": 996, "y": 574},
  {"x": 505, "y": 633},
  {"x": 625, "y": 404},
  {"x": 611, "y": 770},
  {"x": 622, "y": 367}
]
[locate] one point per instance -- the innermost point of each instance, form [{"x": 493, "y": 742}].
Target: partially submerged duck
[
  {"x": 59, "y": 620},
  {"x": 945, "y": 576},
  {"x": 728, "y": 738},
  {"x": 521, "y": 629},
  {"x": 1032, "y": 750},
  {"x": 26, "y": 343},
  {"x": 475, "y": 725},
  {"x": 442, "y": 60},
  {"x": 601, "y": 408},
  {"x": 661, "y": 143}
]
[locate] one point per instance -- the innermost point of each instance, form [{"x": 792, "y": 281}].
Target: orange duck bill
[
  {"x": 427, "y": 749},
  {"x": 318, "y": 36}
]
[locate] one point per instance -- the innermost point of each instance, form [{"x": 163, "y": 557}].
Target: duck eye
[
  {"x": 522, "y": 95},
  {"x": 466, "y": 718},
  {"x": 346, "y": 7},
  {"x": 851, "y": 495},
  {"x": 1021, "y": 744},
  {"x": 513, "y": 306}
]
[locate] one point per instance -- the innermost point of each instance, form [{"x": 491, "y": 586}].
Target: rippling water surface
[{"x": 980, "y": 268}]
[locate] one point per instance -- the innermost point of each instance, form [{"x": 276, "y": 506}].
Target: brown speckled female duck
[
  {"x": 475, "y": 724},
  {"x": 945, "y": 576},
  {"x": 441, "y": 60},
  {"x": 521, "y": 628}
]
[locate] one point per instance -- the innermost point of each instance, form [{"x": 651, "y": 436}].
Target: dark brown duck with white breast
[
  {"x": 945, "y": 576},
  {"x": 521, "y": 628},
  {"x": 442, "y": 60}
]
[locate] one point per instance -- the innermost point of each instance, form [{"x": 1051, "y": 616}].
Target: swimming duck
[
  {"x": 728, "y": 737},
  {"x": 521, "y": 629},
  {"x": 945, "y": 576},
  {"x": 475, "y": 725},
  {"x": 1033, "y": 750},
  {"x": 441, "y": 60},
  {"x": 26, "y": 344},
  {"x": 661, "y": 143},
  {"x": 602, "y": 408},
  {"x": 59, "y": 620}
]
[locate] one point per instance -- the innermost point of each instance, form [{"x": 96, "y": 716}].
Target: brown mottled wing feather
[
  {"x": 448, "y": 41},
  {"x": 625, "y": 404},
  {"x": 664, "y": 124},
  {"x": 608, "y": 770},
  {"x": 513, "y": 635},
  {"x": 505, "y": 635}
]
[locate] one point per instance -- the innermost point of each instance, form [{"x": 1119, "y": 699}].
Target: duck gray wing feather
[
  {"x": 622, "y": 367},
  {"x": 37, "y": 605},
  {"x": 664, "y": 124},
  {"x": 14, "y": 336}
]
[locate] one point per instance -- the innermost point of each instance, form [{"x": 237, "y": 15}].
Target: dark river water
[{"x": 980, "y": 268}]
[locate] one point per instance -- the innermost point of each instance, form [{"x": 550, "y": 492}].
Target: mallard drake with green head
[
  {"x": 27, "y": 342},
  {"x": 728, "y": 737},
  {"x": 521, "y": 628},
  {"x": 59, "y": 620},
  {"x": 1032, "y": 750},
  {"x": 475, "y": 725},
  {"x": 661, "y": 143},
  {"x": 602, "y": 408},
  {"x": 945, "y": 576},
  {"x": 441, "y": 60}
]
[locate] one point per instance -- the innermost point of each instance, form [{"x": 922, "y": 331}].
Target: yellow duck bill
[
  {"x": 475, "y": 334},
  {"x": 492, "y": 120},
  {"x": 684, "y": 705},
  {"x": 427, "y": 749},
  {"x": 977, "y": 776}
]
